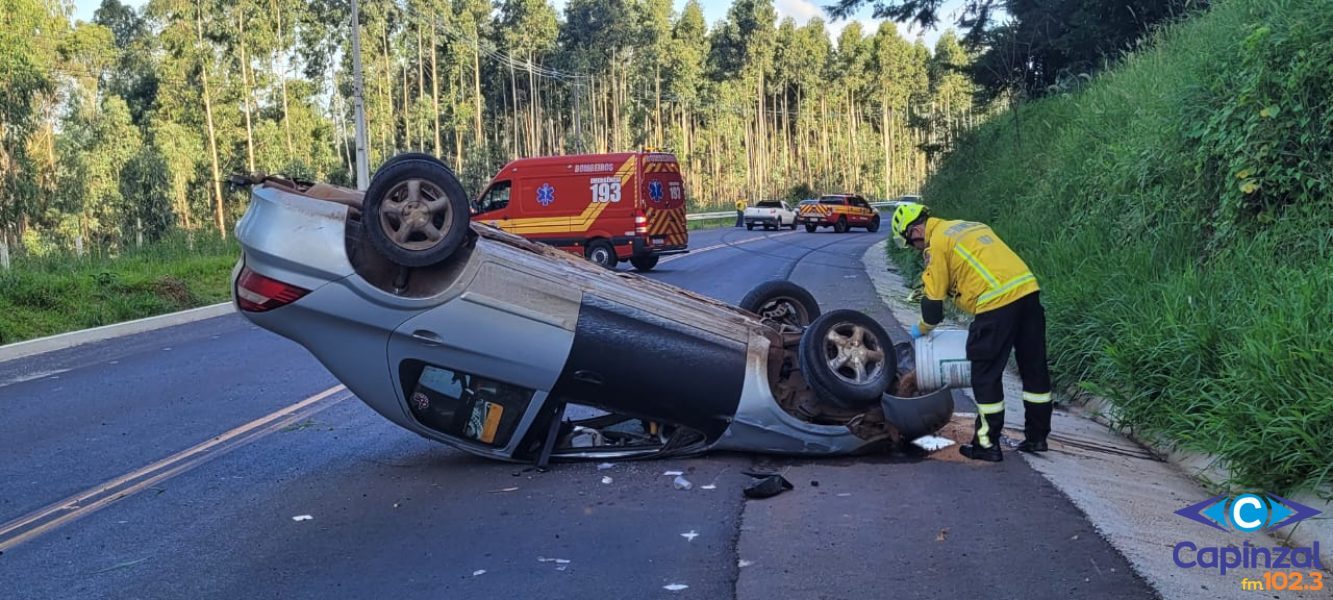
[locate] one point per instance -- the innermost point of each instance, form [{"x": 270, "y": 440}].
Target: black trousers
[{"x": 1019, "y": 327}]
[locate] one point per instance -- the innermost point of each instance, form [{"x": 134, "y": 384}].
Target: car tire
[
  {"x": 793, "y": 225},
  {"x": 397, "y": 158},
  {"x": 781, "y": 302},
  {"x": 644, "y": 263},
  {"x": 602, "y": 252},
  {"x": 832, "y": 347},
  {"x": 400, "y": 222},
  {"x": 809, "y": 228},
  {"x": 840, "y": 226},
  {"x": 749, "y": 226},
  {"x": 874, "y": 225}
]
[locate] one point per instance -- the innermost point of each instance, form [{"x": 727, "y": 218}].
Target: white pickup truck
[{"x": 774, "y": 214}]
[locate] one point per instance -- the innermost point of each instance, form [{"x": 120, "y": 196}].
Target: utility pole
[{"x": 358, "y": 84}]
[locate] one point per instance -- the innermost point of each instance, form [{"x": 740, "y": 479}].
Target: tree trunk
[
  {"x": 212, "y": 138},
  {"x": 884, "y": 138},
  {"x": 513, "y": 93},
  {"x": 282, "y": 48},
  {"x": 476, "y": 94},
  {"x": 245, "y": 95},
  {"x": 435, "y": 86},
  {"x": 390, "y": 137}
]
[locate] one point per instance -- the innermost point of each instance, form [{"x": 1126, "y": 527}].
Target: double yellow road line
[{"x": 84, "y": 503}]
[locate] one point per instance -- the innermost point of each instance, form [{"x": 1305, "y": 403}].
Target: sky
[{"x": 714, "y": 11}]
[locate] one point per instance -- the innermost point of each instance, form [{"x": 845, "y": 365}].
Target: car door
[
  {"x": 492, "y": 207},
  {"x": 476, "y": 369}
]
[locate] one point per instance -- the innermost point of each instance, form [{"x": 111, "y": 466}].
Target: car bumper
[
  {"x": 642, "y": 247},
  {"x": 763, "y": 221}
]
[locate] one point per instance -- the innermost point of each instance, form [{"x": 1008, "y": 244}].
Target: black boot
[
  {"x": 1036, "y": 443},
  {"x": 976, "y": 452}
]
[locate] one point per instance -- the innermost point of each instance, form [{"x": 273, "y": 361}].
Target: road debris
[
  {"x": 124, "y": 565},
  {"x": 674, "y": 473},
  {"x": 768, "y": 486},
  {"x": 479, "y": 572},
  {"x": 844, "y": 494},
  {"x": 674, "y": 587},
  {"x": 690, "y": 535},
  {"x": 932, "y": 443},
  {"x": 942, "y": 535},
  {"x": 742, "y": 563},
  {"x": 302, "y": 518},
  {"x": 708, "y": 486},
  {"x": 508, "y": 489},
  {"x": 605, "y": 466},
  {"x": 814, "y": 483},
  {"x": 681, "y": 483},
  {"x": 606, "y": 480},
  {"x": 558, "y": 561}
]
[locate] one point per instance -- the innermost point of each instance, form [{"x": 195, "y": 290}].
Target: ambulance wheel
[
  {"x": 874, "y": 225},
  {"x": 602, "y": 253},
  {"x": 415, "y": 212},
  {"x": 644, "y": 263},
  {"x": 845, "y": 357},
  {"x": 840, "y": 226},
  {"x": 781, "y": 302},
  {"x": 749, "y": 226},
  {"x": 809, "y": 228}
]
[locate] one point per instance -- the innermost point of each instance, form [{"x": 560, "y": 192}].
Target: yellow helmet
[{"x": 903, "y": 216}]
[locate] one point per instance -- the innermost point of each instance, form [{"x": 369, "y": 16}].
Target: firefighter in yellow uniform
[
  {"x": 967, "y": 262},
  {"x": 740, "y": 213}
]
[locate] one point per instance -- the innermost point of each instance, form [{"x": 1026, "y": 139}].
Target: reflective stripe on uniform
[
  {"x": 977, "y": 266},
  {"x": 995, "y": 292},
  {"x": 983, "y": 431},
  {"x": 1036, "y": 398}
]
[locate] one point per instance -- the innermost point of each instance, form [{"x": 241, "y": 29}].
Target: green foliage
[{"x": 1176, "y": 211}]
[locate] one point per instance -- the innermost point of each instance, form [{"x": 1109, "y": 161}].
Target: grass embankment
[
  {"x": 1178, "y": 211},
  {"x": 40, "y": 297},
  {"x": 711, "y": 223}
]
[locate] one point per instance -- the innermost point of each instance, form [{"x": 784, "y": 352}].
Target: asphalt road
[{"x": 393, "y": 515}]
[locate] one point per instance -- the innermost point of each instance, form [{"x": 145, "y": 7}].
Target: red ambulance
[{"x": 609, "y": 208}]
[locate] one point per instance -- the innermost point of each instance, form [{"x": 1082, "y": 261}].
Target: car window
[
  {"x": 770, "y": 204},
  {"x": 469, "y": 406},
  {"x": 495, "y": 198},
  {"x": 832, "y": 201}
]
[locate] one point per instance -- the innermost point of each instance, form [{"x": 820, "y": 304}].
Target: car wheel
[
  {"x": 874, "y": 225},
  {"x": 781, "y": 302},
  {"x": 397, "y": 158},
  {"x": 840, "y": 226},
  {"x": 845, "y": 358},
  {"x": 415, "y": 212},
  {"x": 749, "y": 226},
  {"x": 644, "y": 263},
  {"x": 793, "y": 225},
  {"x": 602, "y": 253},
  {"x": 809, "y": 228}
]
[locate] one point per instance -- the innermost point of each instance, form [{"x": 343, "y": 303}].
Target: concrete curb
[
  {"x": 1120, "y": 502},
  {"x": 61, "y": 341}
]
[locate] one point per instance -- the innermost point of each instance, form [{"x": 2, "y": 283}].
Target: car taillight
[
  {"x": 640, "y": 223},
  {"x": 256, "y": 293}
]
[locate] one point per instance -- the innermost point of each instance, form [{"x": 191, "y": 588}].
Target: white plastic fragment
[
  {"x": 606, "y": 480},
  {"x": 690, "y": 535},
  {"x": 604, "y": 466},
  {"x": 673, "y": 473},
  {"x": 844, "y": 494},
  {"x": 742, "y": 563},
  {"x": 708, "y": 487},
  {"x": 479, "y": 572},
  {"x": 682, "y": 483},
  {"x": 674, "y": 587},
  {"x": 558, "y": 561},
  {"x": 932, "y": 443},
  {"x": 302, "y": 518}
]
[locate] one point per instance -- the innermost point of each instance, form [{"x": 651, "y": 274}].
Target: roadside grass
[
  {"x": 46, "y": 296},
  {"x": 710, "y": 223},
  {"x": 1178, "y": 212}
]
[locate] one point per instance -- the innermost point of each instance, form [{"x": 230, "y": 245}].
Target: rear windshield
[{"x": 769, "y": 204}]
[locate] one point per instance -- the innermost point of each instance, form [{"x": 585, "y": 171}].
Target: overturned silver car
[{"x": 514, "y": 350}]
